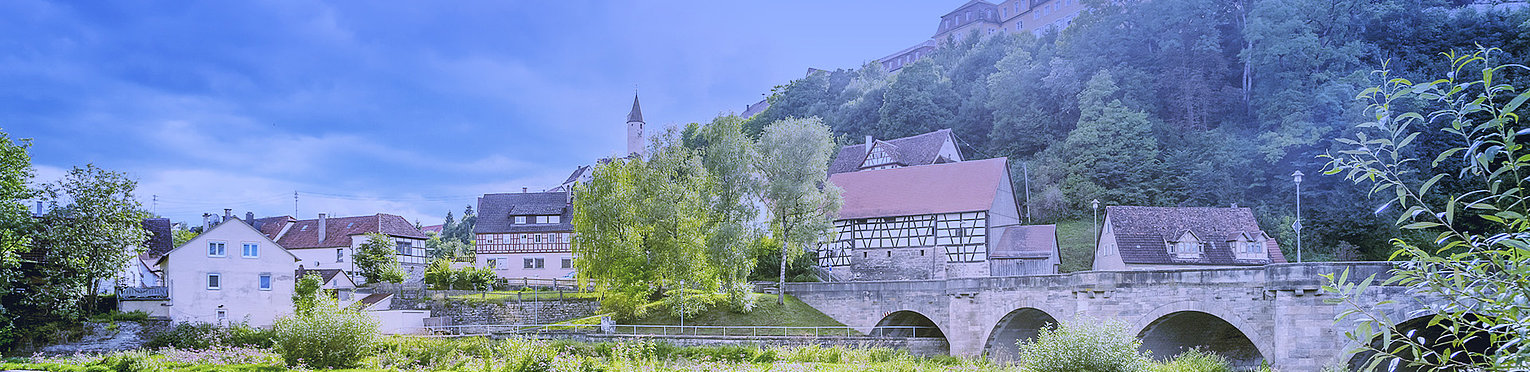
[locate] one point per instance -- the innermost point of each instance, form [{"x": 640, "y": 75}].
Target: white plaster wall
[
  {"x": 400, "y": 322},
  {"x": 514, "y": 265},
  {"x": 1108, "y": 256},
  {"x": 324, "y": 258},
  {"x": 187, "y": 266}
]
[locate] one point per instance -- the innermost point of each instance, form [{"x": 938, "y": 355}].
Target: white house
[
  {"x": 329, "y": 242},
  {"x": 230, "y": 273}
]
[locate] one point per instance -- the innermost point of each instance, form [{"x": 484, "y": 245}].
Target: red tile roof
[
  {"x": 305, "y": 233},
  {"x": 1026, "y": 241},
  {"x": 926, "y": 189}
]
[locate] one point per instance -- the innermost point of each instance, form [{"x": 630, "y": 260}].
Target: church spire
[
  {"x": 637, "y": 112},
  {"x": 635, "y": 143}
]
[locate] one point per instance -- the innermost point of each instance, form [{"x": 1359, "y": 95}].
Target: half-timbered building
[
  {"x": 525, "y": 235},
  {"x": 930, "y": 221}
]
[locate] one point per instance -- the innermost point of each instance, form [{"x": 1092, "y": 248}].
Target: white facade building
[{"x": 231, "y": 273}]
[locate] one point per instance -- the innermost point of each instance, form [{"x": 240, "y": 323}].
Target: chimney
[
  {"x": 323, "y": 222},
  {"x": 228, "y": 213},
  {"x": 868, "y": 141},
  {"x": 249, "y": 217},
  {"x": 206, "y": 222},
  {"x": 523, "y": 190}
]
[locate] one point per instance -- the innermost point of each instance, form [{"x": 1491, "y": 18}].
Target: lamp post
[
  {"x": 1096, "y": 204},
  {"x": 1297, "y": 226}
]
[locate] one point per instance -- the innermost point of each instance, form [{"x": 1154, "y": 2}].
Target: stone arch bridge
[{"x": 1275, "y": 313}]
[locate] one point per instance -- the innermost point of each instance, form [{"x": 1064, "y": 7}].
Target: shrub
[
  {"x": 1083, "y": 345},
  {"x": 326, "y": 337},
  {"x": 202, "y": 336},
  {"x": 118, "y": 316},
  {"x": 1195, "y": 360}
]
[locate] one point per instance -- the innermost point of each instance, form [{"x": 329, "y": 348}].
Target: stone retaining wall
[{"x": 512, "y": 312}]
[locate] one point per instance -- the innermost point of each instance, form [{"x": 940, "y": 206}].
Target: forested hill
[{"x": 1170, "y": 103}]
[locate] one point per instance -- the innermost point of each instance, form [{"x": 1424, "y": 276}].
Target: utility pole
[
  {"x": 295, "y": 205},
  {"x": 1297, "y": 226},
  {"x": 154, "y": 205}
]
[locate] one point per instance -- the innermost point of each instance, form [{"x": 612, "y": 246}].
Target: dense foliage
[
  {"x": 1474, "y": 272},
  {"x": 204, "y": 336},
  {"x": 1166, "y": 103},
  {"x": 1083, "y": 345},
  {"x": 321, "y": 333},
  {"x": 441, "y": 275},
  {"x": 377, "y": 259}
]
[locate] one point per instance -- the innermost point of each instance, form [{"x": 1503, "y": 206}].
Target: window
[
  {"x": 568, "y": 263},
  {"x": 493, "y": 263},
  {"x": 251, "y": 250},
  {"x": 265, "y": 281},
  {"x": 555, "y": 219},
  {"x": 339, "y": 254},
  {"x": 539, "y": 263},
  {"x": 527, "y": 263},
  {"x": 216, "y": 249},
  {"x": 520, "y": 220},
  {"x": 539, "y": 237},
  {"x": 404, "y": 248},
  {"x": 214, "y": 281}
]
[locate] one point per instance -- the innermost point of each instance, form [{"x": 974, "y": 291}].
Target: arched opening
[
  {"x": 1175, "y": 333},
  {"x": 925, "y": 338},
  {"x": 1439, "y": 336},
  {"x": 1019, "y": 325}
]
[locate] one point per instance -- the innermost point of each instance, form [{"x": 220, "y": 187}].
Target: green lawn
[
  {"x": 1077, "y": 245},
  {"x": 765, "y": 313}
]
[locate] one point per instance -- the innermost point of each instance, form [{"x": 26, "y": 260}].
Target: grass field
[
  {"x": 766, "y": 313},
  {"x": 1077, "y": 245}
]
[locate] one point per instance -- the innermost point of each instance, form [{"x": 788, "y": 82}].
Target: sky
[{"x": 407, "y": 108}]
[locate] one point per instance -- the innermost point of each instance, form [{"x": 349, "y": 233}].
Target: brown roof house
[
  {"x": 1150, "y": 238},
  {"x": 933, "y": 221},
  {"x": 525, "y": 235},
  {"x": 328, "y": 242},
  {"x": 930, "y": 148}
]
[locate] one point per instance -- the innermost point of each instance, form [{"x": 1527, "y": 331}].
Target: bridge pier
[{"x": 1274, "y": 314}]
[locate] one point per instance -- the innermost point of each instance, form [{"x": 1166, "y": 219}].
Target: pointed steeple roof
[{"x": 637, "y": 112}]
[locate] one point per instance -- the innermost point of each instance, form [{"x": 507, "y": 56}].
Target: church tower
[{"x": 635, "y": 143}]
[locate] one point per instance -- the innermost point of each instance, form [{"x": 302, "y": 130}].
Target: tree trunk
[{"x": 781, "y": 287}]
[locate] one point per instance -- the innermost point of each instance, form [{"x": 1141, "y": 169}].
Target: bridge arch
[
  {"x": 909, "y": 323},
  {"x": 1174, "y": 328},
  {"x": 1019, "y": 325},
  {"x": 1417, "y": 328}
]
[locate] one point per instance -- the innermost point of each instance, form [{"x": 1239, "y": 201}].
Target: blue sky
[{"x": 410, "y": 108}]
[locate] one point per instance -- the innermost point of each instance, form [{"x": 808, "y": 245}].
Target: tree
[
  {"x": 181, "y": 235},
  {"x": 305, "y": 298},
  {"x": 1113, "y": 155},
  {"x": 376, "y": 260},
  {"x": 15, "y": 222},
  {"x": 84, "y": 237},
  {"x": 729, "y": 184},
  {"x": 918, "y": 100},
  {"x": 1475, "y": 252},
  {"x": 793, "y": 162}
]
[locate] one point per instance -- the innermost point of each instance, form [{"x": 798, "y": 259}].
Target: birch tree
[{"x": 793, "y": 162}]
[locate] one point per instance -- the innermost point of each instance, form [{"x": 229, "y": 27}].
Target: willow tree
[{"x": 793, "y": 162}]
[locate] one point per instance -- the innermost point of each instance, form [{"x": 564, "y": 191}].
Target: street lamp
[
  {"x": 1096, "y": 204},
  {"x": 1297, "y": 226}
]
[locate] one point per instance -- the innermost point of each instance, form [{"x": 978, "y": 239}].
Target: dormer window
[
  {"x": 1186, "y": 246},
  {"x": 1250, "y": 246}
]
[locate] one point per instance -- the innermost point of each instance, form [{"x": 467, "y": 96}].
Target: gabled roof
[
  {"x": 1026, "y": 241},
  {"x": 326, "y": 276},
  {"x": 305, "y": 233},
  {"x": 496, "y": 212},
  {"x": 966, "y": 186},
  {"x": 272, "y": 226},
  {"x": 160, "y": 238},
  {"x": 231, "y": 221},
  {"x": 913, "y": 150},
  {"x": 1142, "y": 233}
]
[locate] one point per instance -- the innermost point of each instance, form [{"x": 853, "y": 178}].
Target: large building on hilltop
[
  {"x": 1152, "y": 238},
  {"x": 983, "y": 17}
]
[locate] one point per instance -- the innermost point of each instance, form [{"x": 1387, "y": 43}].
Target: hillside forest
[{"x": 1172, "y": 103}]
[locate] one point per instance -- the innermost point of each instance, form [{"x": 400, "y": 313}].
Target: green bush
[
  {"x": 202, "y": 336},
  {"x": 1083, "y": 345},
  {"x": 1195, "y": 360},
  {"x": 118, "y": 316},
  {"x": 326, "y": 337}
]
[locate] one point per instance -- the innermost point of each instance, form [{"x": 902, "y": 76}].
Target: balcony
[{"x": 143, "y": 293}]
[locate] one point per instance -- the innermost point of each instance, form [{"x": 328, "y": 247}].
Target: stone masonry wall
[{"x": 528, "y": 312}]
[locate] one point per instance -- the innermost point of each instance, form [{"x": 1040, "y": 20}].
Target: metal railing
[
  {"x": 143, "y": 293},
  {"x": 676, "y": 330}
]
